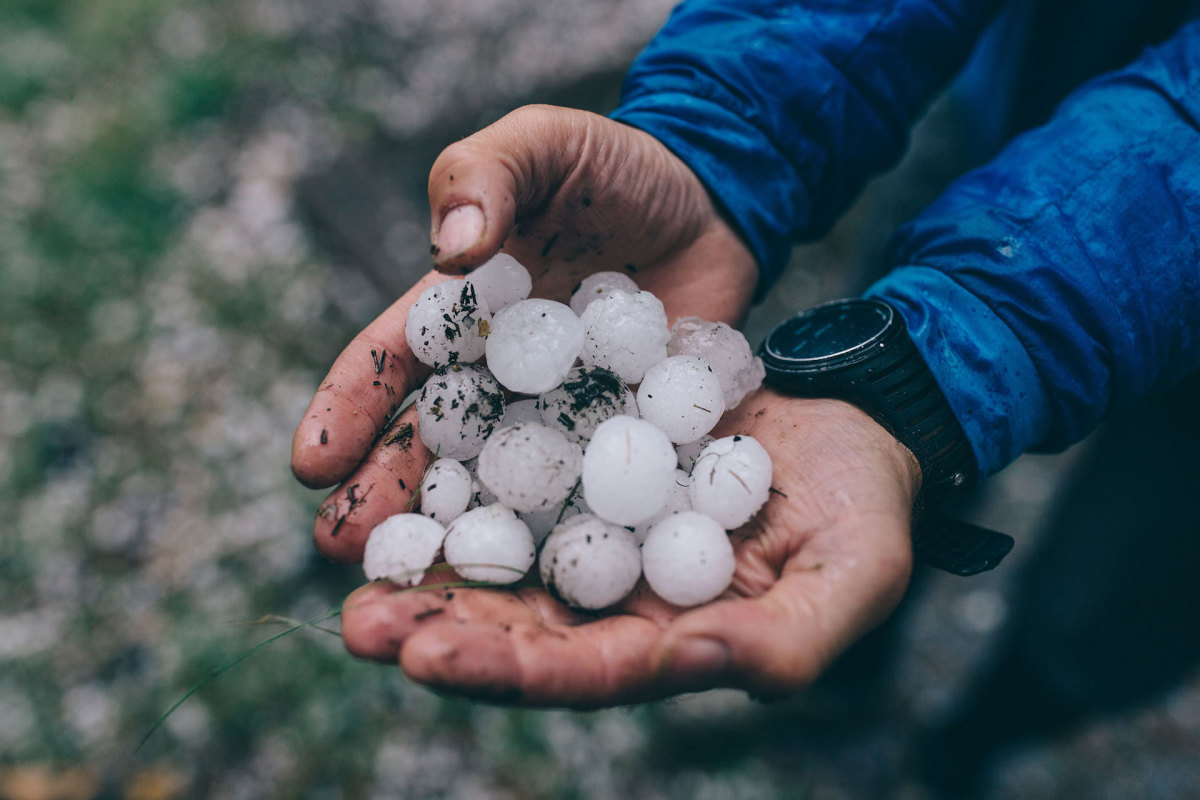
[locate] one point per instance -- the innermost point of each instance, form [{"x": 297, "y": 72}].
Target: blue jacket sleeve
[
  {"x": 1061, "y": 282},
  {"x": 784, "y": 109}
]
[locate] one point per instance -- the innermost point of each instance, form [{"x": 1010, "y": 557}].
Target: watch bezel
[{"x": 775, "y": 361}]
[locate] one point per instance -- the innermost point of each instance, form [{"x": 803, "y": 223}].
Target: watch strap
[{"x": 888, "y": 378}]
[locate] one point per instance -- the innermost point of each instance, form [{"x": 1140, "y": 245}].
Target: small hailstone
[
  {"x": 446, "y": 490},
  {"x": 457, "y": 409},
  {"x": 402, "y": 547},
  {"x": 689, "y": 451},
  {"x": 726, "y": 351},
  {"x": 677, "y": 500},
  {"x": 681, "y": 395},
  {"x": 489, "y": 544},
  {"x": 731, "y": 480},
  {"x": 590, "y": 563},
  {"x": 529, "y": 466},
  {"x": 480, "y": 495},
  {"x": 521, "y": 411},
  {"x": 533, "y": 344},
  {"x": 542, "y": 522},
  {"x": 625, "y": 333},
  {"x": 501, "y": 282},
  {"x": 447, "y": 324},
  {"x": 598, "y": 285},
  {"x": 687, "y": 559},
  {"x": 586, "y": 398},
  {"x": 628, "y": 469}
]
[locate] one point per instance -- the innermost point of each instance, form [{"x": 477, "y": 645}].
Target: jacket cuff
[{"x": 982, "y": 367}]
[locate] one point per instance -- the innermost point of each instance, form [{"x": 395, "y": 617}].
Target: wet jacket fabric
[{"x": 1054, "y": 286}]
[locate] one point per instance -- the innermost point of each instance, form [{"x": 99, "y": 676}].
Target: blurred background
[{"x": 201, "y": 201}]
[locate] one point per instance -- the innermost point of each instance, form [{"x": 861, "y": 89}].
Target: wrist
[{"x": 860, "y": 351}]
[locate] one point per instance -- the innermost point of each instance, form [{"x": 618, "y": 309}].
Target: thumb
[
  {"x": 781, "y": 641},
  {"x": 479, "y": 186}
]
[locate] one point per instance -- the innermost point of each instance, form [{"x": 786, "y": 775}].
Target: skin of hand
[
  {"x": 569, "y": 193},
  {"x": 827, "y": 558}
]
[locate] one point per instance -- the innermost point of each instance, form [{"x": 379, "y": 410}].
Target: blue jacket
[{"x": 1046, "y": 290}]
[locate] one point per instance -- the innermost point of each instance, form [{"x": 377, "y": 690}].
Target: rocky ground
[{"x": 200, "y": 202}]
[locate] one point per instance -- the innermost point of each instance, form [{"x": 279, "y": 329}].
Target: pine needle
[{"x": 293, "y": 627}]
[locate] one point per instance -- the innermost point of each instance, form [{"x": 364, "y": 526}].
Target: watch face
[{"x": 830, "y": 331}]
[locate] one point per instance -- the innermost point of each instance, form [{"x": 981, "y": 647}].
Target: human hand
[
  {"x": 826, "y": 559},
  {"x": 567, "y": 193}
]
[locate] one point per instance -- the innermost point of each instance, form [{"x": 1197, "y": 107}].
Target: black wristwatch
[{"x": 860, "y": 351}]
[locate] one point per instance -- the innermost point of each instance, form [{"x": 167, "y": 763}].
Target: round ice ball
[
  {"x": 587, "y": 397},
  {"x": 590, "y": 563},
  {"x": 678, "y": 500},
  {"x": 687, "y": 559},
  {"x": 726, "y": 351},
  {"x": 731, "y": 480},
  {"x": 457, "y": 409},
  {"x": 446, "y": 490},
  {"x": 683, "y": 396},
  {"x": 401, "y": 548},
  {"x": 533, "y": 345},
  {"x": 628, "y": 468},
  {"x": 625, "y": 333},
  {"x": 489, "y": 544},
  {"x": 447, "y": 324},
  {"x": 501, "y": 282},
  {"x": 529, "y": 467},
  {"x": 599, "y": 285}
]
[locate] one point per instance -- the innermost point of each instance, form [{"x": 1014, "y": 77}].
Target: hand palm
[{"x": 827, "y": 557}]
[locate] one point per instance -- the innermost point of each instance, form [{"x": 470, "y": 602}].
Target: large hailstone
[
  {"x": 529, "y": 467},
  {"x": 587, "y": 397},
  {"x": 590, "y": 563},
  {"x": 489, "y": 544},
  {"x": 457, "y": 410},
  {"x": 625, "y": 333},
  {"x": 726, "y": 351},
  {"x": 447, "y": 324},
  {"x": 628, "y": 468},
  {"x": 731, "y": 480},
  {"x": 687, "y": 559},
  {"x": 446, "y": 490},
  {"x": 599, "y": 285},
  {"x": 683, "y": 396},
  {"x": 533, "y": 344},
  {"x": 501, "y": 282},
  {"x": 401, "y": 548}
]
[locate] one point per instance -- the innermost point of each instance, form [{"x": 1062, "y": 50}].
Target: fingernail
[
  {"x": 461, "y": 227},
  {"x": 698, "y": 662}
]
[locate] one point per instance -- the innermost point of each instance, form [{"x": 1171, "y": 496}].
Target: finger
[
  {"x": 379, "y": 617},
  {"x": 478, "y": 186},
  {"x": 383, "y": 484},
  {"x": 600, "y": 663},
  {"x": 366, "y": 384},
  {"x": 781, "y": 640}
]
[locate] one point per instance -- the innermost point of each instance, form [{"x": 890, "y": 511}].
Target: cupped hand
[
  {"x": 567, "y": 193},
  {"x": 826, "y": 559}
]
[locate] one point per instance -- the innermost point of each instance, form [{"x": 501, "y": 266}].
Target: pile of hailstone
[{"x": 547, "y": 452}]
